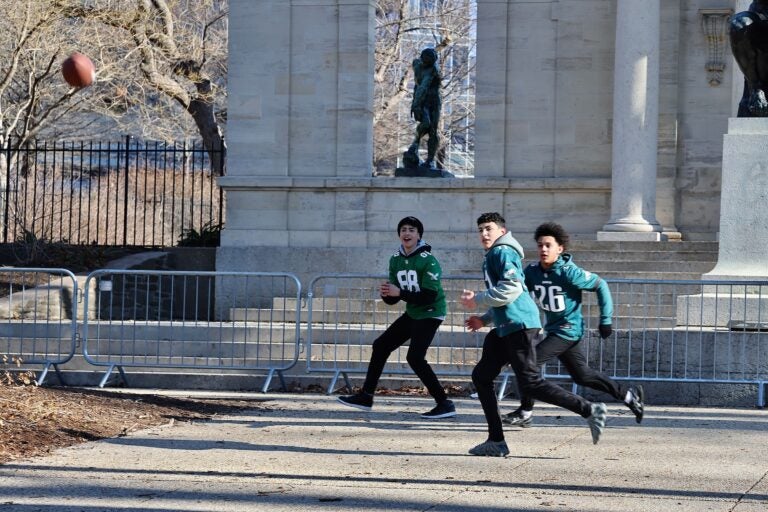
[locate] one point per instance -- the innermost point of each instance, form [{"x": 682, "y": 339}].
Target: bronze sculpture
[
  {"x": 425, "y": 107},
  {"x": 749, "y": 43}
]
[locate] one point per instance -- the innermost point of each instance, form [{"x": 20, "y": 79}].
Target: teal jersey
[
  {"x": 512, "y": 308},
  {"x": 415, "y": 272},
  {"x": 557, "y": 291}
]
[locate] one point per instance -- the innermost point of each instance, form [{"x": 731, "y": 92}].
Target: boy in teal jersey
[
  {"x": 517, "y": 324},
  {"x": 414, "y": 277},
  {"x": 556, "y": 283}
]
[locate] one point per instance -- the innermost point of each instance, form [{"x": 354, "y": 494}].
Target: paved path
[{"x": 308, "y": 453}]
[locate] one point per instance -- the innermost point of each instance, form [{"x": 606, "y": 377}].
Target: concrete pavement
[{"x": 308, "y": 453}]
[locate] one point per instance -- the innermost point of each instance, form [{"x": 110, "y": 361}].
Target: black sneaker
[
  {"x": 444, "y": 409},
  {"x": 490, "y": 449},
  {"x": 636, "y": 402},
  {"x": 362, "y": 401},
  {"x": 517, "y": 419}
]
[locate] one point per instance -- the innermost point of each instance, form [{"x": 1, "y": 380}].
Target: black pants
[
  {"x": 517, "y": 349},
  {"x": 569, "y": 353},
  {"x": 420, "y": 332}
]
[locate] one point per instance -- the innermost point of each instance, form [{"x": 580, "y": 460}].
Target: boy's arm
[
  {"x": 507, "y": 289},
  {"x": 389, "y": 300},
  {"x": 605, "y": 302},
  {"x": 585, "y": 280}
]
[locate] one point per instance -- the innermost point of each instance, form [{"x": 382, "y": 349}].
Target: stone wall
[{"x": 299, "y": 170}]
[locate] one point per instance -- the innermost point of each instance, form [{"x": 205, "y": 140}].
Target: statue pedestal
[
  {"x": 743, "y": 250},
  {"x": 422, "y": 171}
]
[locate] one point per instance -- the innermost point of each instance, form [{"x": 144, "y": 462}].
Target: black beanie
[{"x": 411, "y": 221}]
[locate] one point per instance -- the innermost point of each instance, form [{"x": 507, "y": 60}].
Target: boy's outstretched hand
[
  {"x": 468, "y": 299},
  {"x": 473, "y": 323}
]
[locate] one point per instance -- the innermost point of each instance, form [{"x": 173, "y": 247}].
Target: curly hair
[{"x": 554, "y": 230}]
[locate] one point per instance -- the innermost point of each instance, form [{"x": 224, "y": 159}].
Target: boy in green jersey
[
  {"x": 414, "y": 277},
  {"x": 516, "y": 326},
  {"x": 556, "y": 283}
]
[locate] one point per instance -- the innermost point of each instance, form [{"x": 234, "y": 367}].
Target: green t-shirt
[{"x": 416, "y": 272}]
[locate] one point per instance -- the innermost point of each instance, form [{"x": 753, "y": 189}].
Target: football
[{"x": 78, "y": 70}]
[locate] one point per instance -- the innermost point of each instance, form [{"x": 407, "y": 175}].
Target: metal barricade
[
  {"x": 192, "y": 320},
  {"x": 681, "y": 331},
  {"x": 38, "y": 317},
  {"x": 345, "y": 315},
  {"x": 674, "y": 331}
]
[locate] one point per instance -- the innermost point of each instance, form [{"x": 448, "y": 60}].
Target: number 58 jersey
[
  {"x": 416, "y": 272},
  {"x": 557, "y": 292}
]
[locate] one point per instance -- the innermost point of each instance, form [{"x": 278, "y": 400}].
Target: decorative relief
[{"x": 714, "y": 22}]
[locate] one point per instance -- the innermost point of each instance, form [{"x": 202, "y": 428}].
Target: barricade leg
[
  {"x": 109, "y": 372},
  {"x": 503, "y": 386},
  {"x": 268, "y": 380},
  {"x": 44, "y": 374},
  {"x": 761, "y": 393},
  {"x": 332, "y": 386}
]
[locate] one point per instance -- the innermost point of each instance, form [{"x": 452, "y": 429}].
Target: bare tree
[
  {"x": 156, "y": 56},
  {"x": 32, "y": 94},
  {"x": 403, "y": 29}
]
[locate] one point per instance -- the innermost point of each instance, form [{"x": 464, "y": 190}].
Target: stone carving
[{"x": 749, "y": 43}]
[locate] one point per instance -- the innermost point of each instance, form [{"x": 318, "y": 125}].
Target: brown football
[{"x": 78, "y": 70}]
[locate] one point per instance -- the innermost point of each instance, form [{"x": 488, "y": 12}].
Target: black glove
[{"x": 605, "y": 330}]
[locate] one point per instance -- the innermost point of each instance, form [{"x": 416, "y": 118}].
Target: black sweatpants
[
  {"x": 517, "y": 349},
  {"x": 569, "y": 353},
  {"x": 420, "y": 332}
]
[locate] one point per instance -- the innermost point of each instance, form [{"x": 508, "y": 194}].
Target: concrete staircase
[{"x": 643, "y": 260}]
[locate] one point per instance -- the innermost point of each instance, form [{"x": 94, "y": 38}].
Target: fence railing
[
  {"x": 345, "y": 315},
  {"x": 673, "y": 331},
  {"x": 201, "y": 320},
  {"x": 37, "y": 321},
  {"x": 664, "y": 331},
  {"x": 108, "y": 193}
]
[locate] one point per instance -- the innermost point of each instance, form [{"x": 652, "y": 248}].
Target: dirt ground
[{"x": 36, "y": 420}]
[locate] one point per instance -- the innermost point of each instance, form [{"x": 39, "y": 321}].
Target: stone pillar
[
  {"x": 301, "y": 89},
  {"x": 635, "y": 123}
]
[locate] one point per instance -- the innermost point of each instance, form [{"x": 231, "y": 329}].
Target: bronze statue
[
  {"x": 425, "y": 108},
  {"x": 749, "y": 43}
]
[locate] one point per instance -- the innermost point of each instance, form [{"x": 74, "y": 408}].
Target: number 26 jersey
[{"x": 557, "y": 292}]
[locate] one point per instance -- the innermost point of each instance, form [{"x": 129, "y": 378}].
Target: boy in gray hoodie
[{"x": 511, "y": 341}]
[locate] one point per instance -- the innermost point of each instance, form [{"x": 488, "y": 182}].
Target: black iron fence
[{"x": 129, "y": 192}]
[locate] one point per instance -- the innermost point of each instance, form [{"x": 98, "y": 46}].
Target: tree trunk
[{"x": 213, "y": 140}]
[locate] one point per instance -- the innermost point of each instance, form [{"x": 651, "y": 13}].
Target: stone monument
[{"x": 744, "y": 190}]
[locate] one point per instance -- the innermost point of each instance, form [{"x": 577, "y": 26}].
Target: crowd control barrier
[
  {"x": 192, "y": 320},
  {"x": 38, "y": 311}
]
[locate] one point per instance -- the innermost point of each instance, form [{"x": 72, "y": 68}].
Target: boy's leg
[
  {"x": 422, "y": 333},
  {"x": 487, "y": 369},
  {"x": 395, "y": 335},
  {"x": 548, "y": 349},
  {"x": 576, "y": 363},
  {"x": 522, "y": 357}
]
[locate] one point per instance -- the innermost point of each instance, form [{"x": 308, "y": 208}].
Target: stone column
[{"x": 635, "y": 123}]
